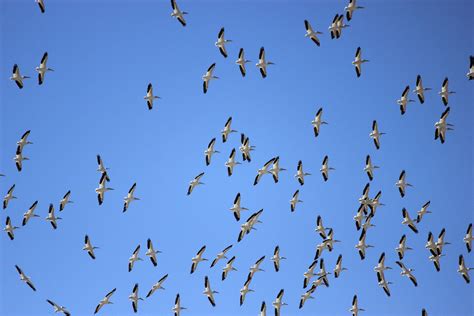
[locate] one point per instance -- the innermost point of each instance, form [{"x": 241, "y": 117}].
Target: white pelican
[
  {"x": 88, "y": 247},
  {"x": 317, "y": 282},
  {"x": 419, "y": 90},
  {"x": 375, "y": 134},
  {"x": 195, "y": 182},
  {"x": 404, "y": 100},
  {"x": 105, "y": 301},
  {"x": 101, "y": 168},
  {"x": 150, "y": 97},
  {"x": 309, "y": 274},
  {"x": 335, "y": 31},
  {"x": 323, "y": 274},
  {"x": 383, "y": 283},
  {"x": 407, "y": 272},
  {"x": 30, "y": 213},
  {"x": 245, "y": 289},
  {"x": 444, "y": 93},
  {"x": 134, "y": 258},
  {"x": 58, "y": 309},
  {"x": 177, "y": 308},
  {"x": 262, "y": 171},
  {"x": 151, "y": 252},
  {"x": 249, "y": 225},
  {"x": 340, "y": 25},
  {"x": 221, "y": 41},
  {"x": 25, "y": 278},
  {"x": 435, "y": 260},
  {"x": 440, "y": 242},
  {"x": 325, "y": 168},
  {"x": 236, "y": 208},
  {"x": 430, "y": 245},
  {"x": 42, "y": 68},
  {"x": 231, "y": 163},
  {"x": 210, "y": 151},
  {"x": 8, "y": 197},
  {"x": 41, "y": 5},
  {"x": 19, "y": 158},
  {"x": 369, "y": 167},
  {"x": 350, "y": 8},
  {"x": 263, "y": 309},
  {"x": 329, "y": 241},
  {"x": 262, "y": 63},
  {"x": 24, "y": 140},
  {"x": 320, "y": 229},
  {"x": 9, "y": 228},
  {"x": 221, "y": 255},
  {"x": 209, "y": 292},
  {"x": 339, "y": 268},
  {"x": 65, "y": 201},
  {"x": 208, "y": 76},
  {"x": 310, "y": 33},
  {"x": 102, "y": 189},
  {"x": 157, "y": 286},
  {"x": 256, "y": 267},
  {"x": 355, "y": 307},
  {"x": 129, "y": 198},
  {"x": 464, "y": 270},
  {"x": 245, "y": 147},
  {"x": 367, "y": 223},
  {"x": 362, "y": 246},
  {"x": 276, "y": 258},
  {"x": 278, "y": 302},
  {"x": 375, "y": 203},
  {"x": 401, "y": 184},
  {"x": 306, "y": 296},
  {"x": 359, "y": 217},
  {"x": 470, "y": 73},
  {"x": 51, "y": 217},
  {"x": 177, "y": 13},
  {"x": 402, "y": 247},
  {"x": 300, "y": 174},
  {"x": 365, "y": 200},
  {"x": 227, "y": 130},
  {"x": 358, "y": 61},
  {"x": 408, "y": 221},
  {"x": 228, "y": 267},
  {"x": 295, "y": 200},
  {"x": 441, "y": 126},
  {"x": 241, "y": 62},
  {"x": 17, "y": 77},
  {"x": 275, "y": 170},
  {"x": 380, "y": 267},
  {"x": 135, "y": 298},
  {"x": 468, "y": 238},
  {"x": 198, "y": 258},
  {"x": 424, "y": 210},
  {"x": 317, "y": 122}
]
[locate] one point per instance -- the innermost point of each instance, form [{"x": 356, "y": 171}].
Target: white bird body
[
  {"x": 442, "y": 126},
  {"x": 262, "y": 63},
  {"x": 59, "y": 309},
  {"x": 375, "y": 134},
  {"x": 150, "y": 97},
  {"x": 444, "y": 93},
  {"x": 134, "y": 258},
  {"x": 358, "y": 61},
  {"x": 208, "y": 76},
  {"x": 17, "y": 77},
  {"x": 350, "y": 8},
  {"x": 295, "y": 200},
  {"x": 228, "y": 267},
  {"x": 135, "y": 298},
  {"x": 231, "y": 163},
  {"x": 30, "y": 213},
  {"x": 130, "y": 197},
  {"x": 9, "y": 228},
  {"x": 317, "y": 122},
  {"x": 102, "y": 188},
  {"x": 310, "y": 33},
  {"x": 105, "y": 301},
  {"x": 52, "y": 218},
  {"x": 157, "y": 286},
  {"x": 197, "y": 258},
  {"x": 241, "y": 61},
  {"x": 65, "y": 200},
  {"x": 195, "y": 182},
  {"x": 177, "y": 13},
  {"x": 401, "y": 184},
  {"x": 43, "y": 68},
  {"x": 221, "y": 41},
  {"x": 300, "y": 174}
]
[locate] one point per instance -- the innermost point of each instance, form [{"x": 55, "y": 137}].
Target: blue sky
[{"x": 105, "y": 53}]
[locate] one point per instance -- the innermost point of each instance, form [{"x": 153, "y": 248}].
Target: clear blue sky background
[{"x": 104, "y": 54}]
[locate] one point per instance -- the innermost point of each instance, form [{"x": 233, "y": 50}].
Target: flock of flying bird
[{"x": 365, "y": 213}]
